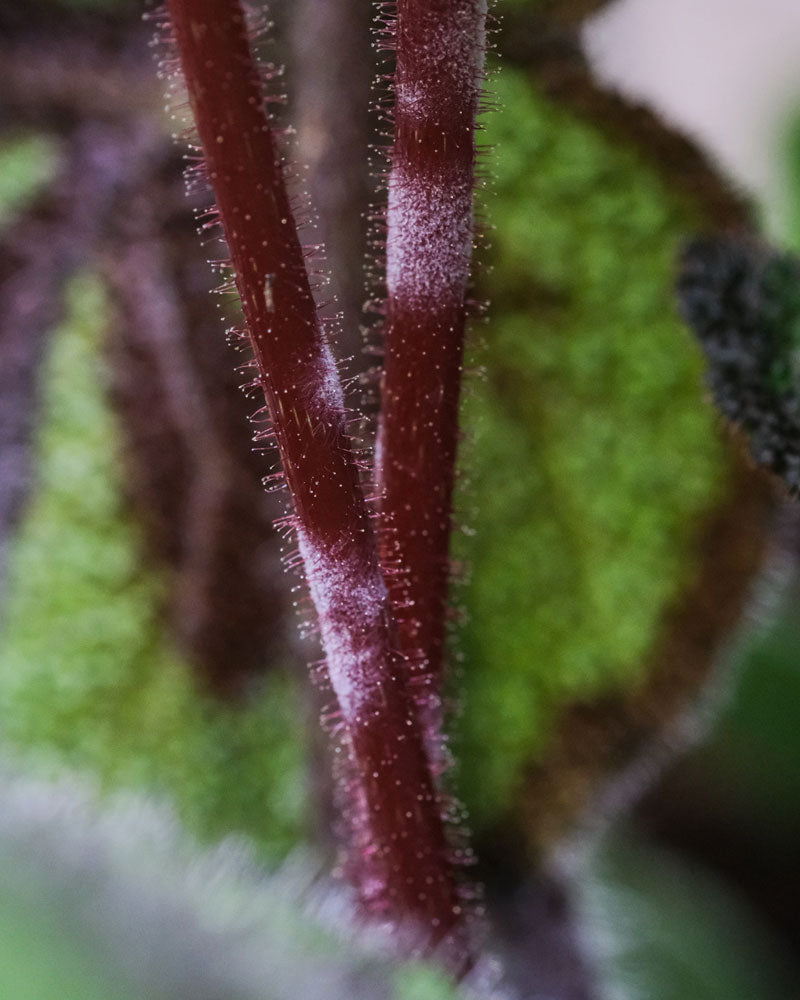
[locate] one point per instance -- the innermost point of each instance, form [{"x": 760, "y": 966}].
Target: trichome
[{"x": 401, "y": 852}]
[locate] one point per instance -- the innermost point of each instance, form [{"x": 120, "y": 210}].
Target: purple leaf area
[
  {"x": 30, "y": 303},
  {"x": 118, "y": 204},
  {"x": 192, "y": 473},
  {"x": 55, "y": 237},
  {"x": 400, "y": 857}
]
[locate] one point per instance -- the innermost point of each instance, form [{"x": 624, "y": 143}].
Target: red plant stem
[
  {"x": 439, "y": 66},
  {"x": 400, "y": 848}
]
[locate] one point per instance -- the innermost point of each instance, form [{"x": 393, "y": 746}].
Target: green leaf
[
  {"x": 591, "y": 457},
  {"x": 88, "y": 677},
  {"x": 27, "y": 164}
]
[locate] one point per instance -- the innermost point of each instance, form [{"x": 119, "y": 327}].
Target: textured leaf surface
[
  {"x": 86, "y": 675},
  {"x": 594, "y": 457}
]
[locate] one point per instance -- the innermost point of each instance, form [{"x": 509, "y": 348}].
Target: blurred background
[
  {"x": 728, "y": 75},
  {"x": 625, "y": 563}
]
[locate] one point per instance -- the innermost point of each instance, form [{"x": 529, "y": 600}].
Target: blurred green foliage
[
  {"x": 39, "y": 957},
  {"x": 744, "y": 779},
  {"x": 758, "y": 737},
  {"x": 27, "y": 164},
  {"x": 663, "y": 928},
  {"x": 118, "y": 902},
  {"x": 791, "y": 163}
]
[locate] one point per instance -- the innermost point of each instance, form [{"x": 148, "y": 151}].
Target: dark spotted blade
[{"x": 742, "y": 302}]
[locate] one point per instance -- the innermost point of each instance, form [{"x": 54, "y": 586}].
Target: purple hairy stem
[
  {"x": 400, "y": 857},
  {"x": 440, "y": 48},
  {"x": 331, "y": 76}
]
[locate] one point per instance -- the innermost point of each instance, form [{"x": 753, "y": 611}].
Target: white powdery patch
[
  {"x": 328, "y": 395},
  {"x": 429, "y": 242},
  {"x": 352, "y": 606},
  {"x": 430, "y": 226}
]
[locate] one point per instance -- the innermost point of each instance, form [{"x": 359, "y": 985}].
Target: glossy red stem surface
[
  {"x": 399, "y": 852},
  {"x": 439, "y": 65}
]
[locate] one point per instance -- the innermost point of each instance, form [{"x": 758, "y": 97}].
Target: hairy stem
[
  {"x": 440, "y": 51},
  {"x": 399, "y": 856}
]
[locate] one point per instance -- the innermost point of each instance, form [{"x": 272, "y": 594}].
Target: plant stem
[
  {"x": 399, "y": 848},
  {"x": 440, "y": 51}
]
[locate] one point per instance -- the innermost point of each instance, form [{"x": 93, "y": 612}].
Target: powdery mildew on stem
[
  {"x": 345, "y": 590},
  {"x": 439, "y": 68},
  {"x": 430, "y": 245},
  {"x": 400, "y": 855}
]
